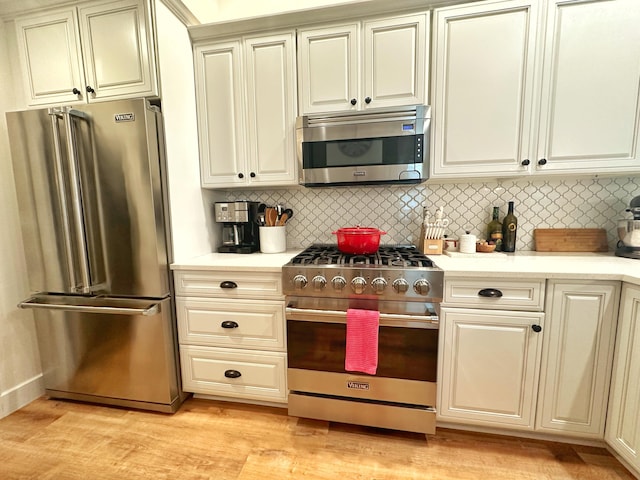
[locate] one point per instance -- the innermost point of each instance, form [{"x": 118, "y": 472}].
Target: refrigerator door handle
[
  {"x": 59, "y": 178},
  {"x": 118, "y": 306},
  {"x": 76, "y": 199}
]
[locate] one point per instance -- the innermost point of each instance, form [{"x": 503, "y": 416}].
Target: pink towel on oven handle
[{"x": 361, "y": 353}]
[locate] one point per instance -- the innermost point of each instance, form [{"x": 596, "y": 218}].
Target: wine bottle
[
  {"x": 509, "y": 230},
  {"x": 494, "y": 230}
]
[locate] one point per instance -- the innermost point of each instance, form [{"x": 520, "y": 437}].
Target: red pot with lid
[{"x": 358, "y": 240}]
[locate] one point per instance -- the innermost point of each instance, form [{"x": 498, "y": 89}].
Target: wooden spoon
[
  {"x": 283, "y": 219},
  {"x": 271, "y": 215}
]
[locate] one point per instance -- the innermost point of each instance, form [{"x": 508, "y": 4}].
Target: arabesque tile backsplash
[{"x": 398, "y": 210}]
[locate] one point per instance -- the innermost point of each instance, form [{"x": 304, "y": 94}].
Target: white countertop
[
  {"x": 594, "y": 266},
  {"x": 265, "y": 262}
]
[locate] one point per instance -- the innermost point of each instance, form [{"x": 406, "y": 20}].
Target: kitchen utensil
[
  {"x": 283, "y": 219},
  {"x": 289, "y": 212},
  {"x": 570, "y": 240},
  {"x": 358, "y": 240},
  {"x": 271, "y": 216}
]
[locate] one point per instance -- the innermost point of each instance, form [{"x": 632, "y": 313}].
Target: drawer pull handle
[
  {"x": 228, "y": 284},
  {"x": 229, "y": 324},
  {"x": 490, "y": 292},
  {"x": 536, "y": 328},
  {"x": 232, "y": 374}
]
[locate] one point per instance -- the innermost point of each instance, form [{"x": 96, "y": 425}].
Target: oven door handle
[{"x": 386, "y": 319}]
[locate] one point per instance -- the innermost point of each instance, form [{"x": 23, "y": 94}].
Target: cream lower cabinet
[
  {"x": 365, "y": 64},
  {"x": 93, "y": 52},
  {"x": 246, "y": 105},
  {"x": 623, "y": 421},
  {"x": 490, "y": 366},
  {"x": 581, "y": 319},
  {"x": 506, "y": 364},
  {"x": 231, "y": 333},
  {"x": 526, "y": 87}
]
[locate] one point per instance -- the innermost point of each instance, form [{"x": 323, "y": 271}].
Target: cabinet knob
[
  {"x": 490, "y": 293},
  {"x": 353, "y": 101},
  {"x": 525, "y": 162},
  {"x": 75, "y": 91},
  {"x": 542, "y": 161},
  {"x": 240, "y": 175},
  {"x": 228, "y": 284},
  {"x": 367, "y": 100},
  {"x": 229, "y": 324},
  {"x": 536, "y": 328},
  {"x": 252, "y": 175},
  {"x": 232, "y": 374},
  {"x": 90, "y": 90}
]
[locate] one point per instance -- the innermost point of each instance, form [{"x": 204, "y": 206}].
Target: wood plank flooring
[{"x": 62, "y": 440}]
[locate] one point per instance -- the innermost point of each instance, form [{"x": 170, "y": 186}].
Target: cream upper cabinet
[
  {"x": 88, "y": 53},
  {"x": 545, "y": 87},
  {"x": 246, "y": 102},
  {"x": 623, "y": 421},
  {"x": 359, "y": 65},
  {"x": 577, "y": 357}
]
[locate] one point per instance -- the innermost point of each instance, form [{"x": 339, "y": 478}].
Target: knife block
[{"x": 432, "y": 246}]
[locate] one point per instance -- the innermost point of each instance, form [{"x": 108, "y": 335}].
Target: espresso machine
[
  {"x": 239, "y": 226},
  {"x": 629, "y": 232}
]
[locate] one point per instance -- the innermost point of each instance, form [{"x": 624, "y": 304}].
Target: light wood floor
[{"x": 61, "y": 440}]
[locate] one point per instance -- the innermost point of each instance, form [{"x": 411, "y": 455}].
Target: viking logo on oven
[{"x": 358, "y": 385}]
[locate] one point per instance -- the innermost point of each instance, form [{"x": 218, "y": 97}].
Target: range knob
[
  {"x": 358, "y": 284},
  {"x": 378, "y": 285},
  {"x": 338, "y": 283},
  {"x": 299, "y": 282},
  {"x": 318, "y": 282},
  {"x": 400, "y": 285},
  {"x": 421, "y": 286}
]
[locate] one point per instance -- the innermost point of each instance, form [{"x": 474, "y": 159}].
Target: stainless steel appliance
[
  {"x": 92, "y": 198},
  {"x": 239, "y": 226},
  {"x": 629, "y": 232},
  {"x": 405, "y": 288},
  {"x": 359, "y": 148}
]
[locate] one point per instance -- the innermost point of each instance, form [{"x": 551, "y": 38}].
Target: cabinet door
[
  {"x": 590, "y": 103},
  {"x": 220, "y": 107},
  {"x": 117, "y": 47},
  {"x": 395, "y": 61},
  {"x": 271, "y": 109},
  {"x": 578, "y": 354},
  {"x": 488, "y": 367},
  {"x": 483, "y": 62},
  {"x": 50, "y": 57},
  {"x": 623, "y": 421},
  {"x": 328, "y": 62}
]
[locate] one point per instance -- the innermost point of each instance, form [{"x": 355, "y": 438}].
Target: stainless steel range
[{"x": 405, "y": 288}]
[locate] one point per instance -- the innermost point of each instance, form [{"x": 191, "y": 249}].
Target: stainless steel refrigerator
[{"x": 92, "y": 200}]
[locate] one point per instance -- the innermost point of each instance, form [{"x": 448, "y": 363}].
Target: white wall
[
  {"x": 209, "y": 11},
  {"x": 20, "y": 373},
  {"x": 193, "y": 231}
]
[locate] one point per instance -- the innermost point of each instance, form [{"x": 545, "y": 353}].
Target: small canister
[{"x": 468, "y": 243}]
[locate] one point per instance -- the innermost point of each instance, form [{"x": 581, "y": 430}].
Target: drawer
[
  {"x": 254, "y": 324},
  {"x": 262, "y": 374},
  {"x": 510, "y": 294},
  {"x": 239, "y": 284}
]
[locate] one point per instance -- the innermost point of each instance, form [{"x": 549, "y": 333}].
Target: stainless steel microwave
[{"x": 385, "y": 146}]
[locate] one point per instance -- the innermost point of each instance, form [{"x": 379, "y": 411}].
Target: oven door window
[
  {"x": 401, "y": 150},
  {"x": 406, "y": 353}
]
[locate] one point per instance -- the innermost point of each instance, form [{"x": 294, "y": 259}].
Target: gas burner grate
[{"x": 405, "y": 256}]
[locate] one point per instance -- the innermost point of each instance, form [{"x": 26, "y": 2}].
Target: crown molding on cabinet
[
  {"x": 181, "y": 11},
  {"x": 307, "y": 16}
]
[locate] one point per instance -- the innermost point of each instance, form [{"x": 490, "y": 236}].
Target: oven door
[{"x": 407, "y": 355}]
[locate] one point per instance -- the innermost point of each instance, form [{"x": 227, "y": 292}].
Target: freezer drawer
[{"x": 113, "y": 351}]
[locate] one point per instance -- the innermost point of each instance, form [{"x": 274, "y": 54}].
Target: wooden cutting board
[{"x": 570, "y": 240}]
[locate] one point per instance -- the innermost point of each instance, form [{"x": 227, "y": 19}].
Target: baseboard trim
[{"x": 21, "y": 395}]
